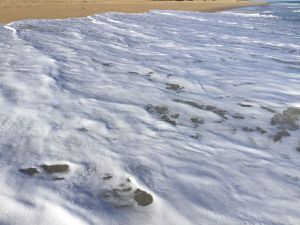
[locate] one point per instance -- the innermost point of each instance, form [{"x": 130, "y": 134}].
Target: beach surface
[
  {"x": 59, "y": 9},
  {"x": 166, "y": 117}
]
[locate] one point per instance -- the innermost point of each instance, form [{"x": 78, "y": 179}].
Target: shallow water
[{"x": 199, "y": 111}]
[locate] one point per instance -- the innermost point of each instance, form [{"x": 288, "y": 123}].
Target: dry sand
[{"x": 11, "y": 10}]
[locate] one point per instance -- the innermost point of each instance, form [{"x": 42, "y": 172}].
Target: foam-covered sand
[
  {"x": 32, "y": 9},
  {"x": 161, "y": 118}
]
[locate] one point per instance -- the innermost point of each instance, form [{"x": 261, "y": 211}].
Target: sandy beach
[{"x": 50, "y": 9}]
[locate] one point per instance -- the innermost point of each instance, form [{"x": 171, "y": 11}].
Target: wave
[
  {"x": 197, "y": 107},
  {"x": 258, "y": 15}
]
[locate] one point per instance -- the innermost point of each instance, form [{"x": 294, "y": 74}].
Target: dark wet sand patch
[
  {"x": 29, "y": 171},
  {"x": 124, "y": 195},
  {"x": 256, "y": 129},
  {"x": 261, "y": 130},
  {"x": 149, "y": 73},
  {"x": 49, "y": 170},
  {"x": 248, "y": 129},
  {"x": 175, "y": 116},
  {"x": 167, "y": 119},
  {"x": 163, "y": 111},
  {"x": 280, "y": 135},
  {"x": 196, "y": 136},
  {"x": 245, "y": 105},
  {"x": 82, "y": 129},
  {"x": 142, "y": 198},
  {"x": 285, "y": 61},
  {"x": 210, "y": 108},
  {"x": 284, "y": 122},
  {"x": 107, "y": 64},
  {"x": 56, "y": 168},
  {"x": 133, "y": 73},
  {"x": 125, "y": 189},
  {"x": 58, "y": 178},
  {"x": 197, "y": 120},
  {"x": 107, "y": 177},
  {"x": 243, "y": 83},
  {"x": 288, "y": 119},
  {"x": 158, "y": 109},
  {"x": 174, "y": 87},
  {"x": 292, "y": 111},
  {"x": 268, "y": 109},
  {"x": 238, "y": 116}
]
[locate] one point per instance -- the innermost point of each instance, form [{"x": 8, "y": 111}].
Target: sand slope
[{"x": 28, "y": 9}]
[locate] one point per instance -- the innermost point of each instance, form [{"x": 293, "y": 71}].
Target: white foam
[
  {"x": 83, "y": 92},
  {"x": 250, "y": 14}
]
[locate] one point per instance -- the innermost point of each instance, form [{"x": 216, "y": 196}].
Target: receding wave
[
  {"x": 156, "y": 118},
  {"x": 256, "y": 15}
]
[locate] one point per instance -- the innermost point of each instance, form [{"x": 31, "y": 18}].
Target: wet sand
[{"x": 12, "y": 10}]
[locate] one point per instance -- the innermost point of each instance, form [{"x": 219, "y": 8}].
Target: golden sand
[{"x": 12, "y": 10}]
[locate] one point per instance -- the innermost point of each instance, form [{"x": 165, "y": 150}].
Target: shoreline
[{"x": 62, "y": 9}]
